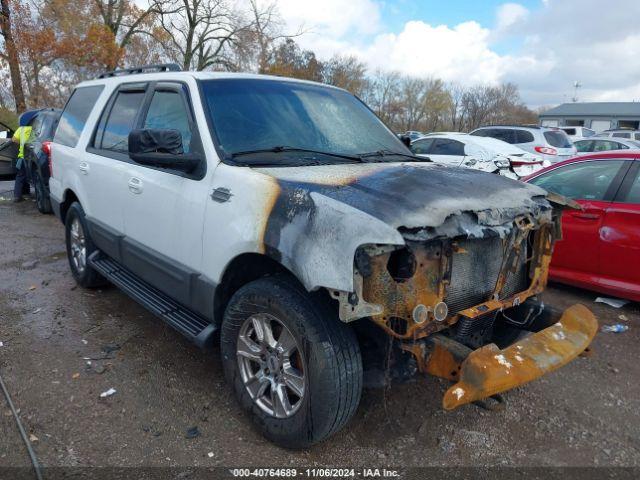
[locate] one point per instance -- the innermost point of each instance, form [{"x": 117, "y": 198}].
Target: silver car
[
  {"x": 604, "y": 144},
  {"x": 551, "y": 144}
]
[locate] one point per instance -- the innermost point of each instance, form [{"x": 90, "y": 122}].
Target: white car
[
  {"x": 578, "y": 133},
  {"x": 480, "y": 153}
]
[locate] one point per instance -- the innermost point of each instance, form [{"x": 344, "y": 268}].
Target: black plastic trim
[
  {"x": 176, "y": 280},
  {"x": 195, "y": 327}
]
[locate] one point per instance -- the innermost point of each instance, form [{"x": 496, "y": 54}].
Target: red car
[{"x": 600, "y": 248}]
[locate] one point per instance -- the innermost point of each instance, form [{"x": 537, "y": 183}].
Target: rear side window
[
  {"x": 634, "y": 192},
  {"x": 523, "y": 136},
  {"x": 115, "y": 134},
  {"x": 75, "y": 115},
  {"x": 605, "y": 145},
  {"x": 557, "y": 139},
  {"x": 505, "y": 135},
  {"x": 584, "y": 180},
  {"x": 584, "y": 146}
]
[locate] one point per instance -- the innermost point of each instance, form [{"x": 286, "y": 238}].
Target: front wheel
[{"x": 294, "y": 366}]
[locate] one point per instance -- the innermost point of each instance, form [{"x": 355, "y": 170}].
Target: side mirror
[
  {"x": 406, "y": 139},
  {"x": 161, "y": 148}
]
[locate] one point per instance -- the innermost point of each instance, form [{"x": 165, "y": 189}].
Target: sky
[{"x": 543, "y": 46}]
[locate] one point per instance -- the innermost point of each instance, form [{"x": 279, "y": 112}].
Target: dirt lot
[{"x": 586, "y": 414}]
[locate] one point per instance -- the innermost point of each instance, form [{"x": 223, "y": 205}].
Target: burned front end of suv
[{"x": 452, "y": 270}]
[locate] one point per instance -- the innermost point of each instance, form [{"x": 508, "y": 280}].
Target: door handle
[
  {"x": 83, "y": 167},
  {"x": 587, "y": 216},
  {"x": 135, "y": 185}
]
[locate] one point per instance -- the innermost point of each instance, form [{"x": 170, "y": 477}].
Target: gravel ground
[{"x": 586, "y": 414}]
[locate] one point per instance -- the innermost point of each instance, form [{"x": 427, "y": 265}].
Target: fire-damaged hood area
[{"x": 322, "y": 214}]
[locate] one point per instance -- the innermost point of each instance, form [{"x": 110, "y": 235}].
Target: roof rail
[{"x": 160, "y": 67}]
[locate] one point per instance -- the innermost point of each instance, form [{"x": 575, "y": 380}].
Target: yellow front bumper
[{"x": 489, "y": 370}]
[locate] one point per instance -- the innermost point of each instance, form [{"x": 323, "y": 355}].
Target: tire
[
  {"x": 42, "y": 194},
  {"x": 82, "y": 272},
  {"x": 327, "y": 355}
]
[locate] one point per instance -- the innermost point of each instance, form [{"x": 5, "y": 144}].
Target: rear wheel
[
  {"x": 42, "y": 194},
  {"x": 80, "y": 247},
  {"x": 293, "y": 365}
]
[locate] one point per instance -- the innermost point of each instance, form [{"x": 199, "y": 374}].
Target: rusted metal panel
[{"x": 489, "y": 370}]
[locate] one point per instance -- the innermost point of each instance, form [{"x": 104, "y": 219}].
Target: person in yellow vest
[{"x": 21, "y": 137}]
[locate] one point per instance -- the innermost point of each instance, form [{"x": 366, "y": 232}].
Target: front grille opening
[{"x": 474, "y": 272}]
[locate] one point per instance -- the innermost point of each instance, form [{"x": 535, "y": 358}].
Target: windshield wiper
[
  {"x": 389, "y": 153},
  {"x": 282, "y": 148}
]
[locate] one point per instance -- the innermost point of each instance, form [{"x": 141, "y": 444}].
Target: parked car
[
  {"x": 8, "y": 151},
  {"x": 603, "y": 144},
  {"x": 551, "y": 144},
  {"x": 37, "y": 152},
  {"x": 627, "y": 133},
  {"x": 286, "y": 215},
  {"x": 600, "y": 246},
  {"x": 577, "y": 133},
  {"x": 479, "y": 153},
  {"x": 412, "y": 134}
]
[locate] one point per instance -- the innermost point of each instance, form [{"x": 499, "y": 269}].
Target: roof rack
[{"x": 160, "y": 67}]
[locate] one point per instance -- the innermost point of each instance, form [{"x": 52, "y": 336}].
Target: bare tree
[{"x": 200, "y": 31}]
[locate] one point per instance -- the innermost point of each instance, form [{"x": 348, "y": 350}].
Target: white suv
[
  {"x": 552, "y": 144},
  {"x": 285, "y": 215}
]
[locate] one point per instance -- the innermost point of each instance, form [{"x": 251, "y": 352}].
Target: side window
[
  {"x": 584, "y": 180},
  {"x": 114, "y": 133},
  {"x": 485, "y": 132},
  {"x": 421, "y": 147},
  {"x": 634, "y": 192},
  {"x": 636, "y": 136},
  {"x": 522, "y": 136},
  {"x": 621, "y": 134},
  {"x": 168, "y": 111},
  {"x": 75, "y": 115},
  {"x": 504, "y": 135},
  {"x": 584, "y": 145},
  {"x": 605, "y": 145},
  {"x": 619, "y": 146},
  {"x": 443, "y": 146},
  {"x": 36, "y": 127}
]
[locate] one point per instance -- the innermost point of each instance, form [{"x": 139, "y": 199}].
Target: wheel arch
[
  {"x": 241, "y": 270},
  {"x": 68, "y": 198}
]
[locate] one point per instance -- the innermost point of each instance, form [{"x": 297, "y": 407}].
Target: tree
[
  {"x": 10, "y": 54},
  {"x": 124, "y": 19},
  {"x": 200, "y": 32},
  {"x": 289, "y": 60},
  {"x": 346, "y": 72}
]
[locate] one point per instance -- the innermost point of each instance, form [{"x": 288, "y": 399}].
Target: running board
[{"x": 193, "y": 326}]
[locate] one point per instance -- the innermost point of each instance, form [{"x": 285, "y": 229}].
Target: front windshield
[{"x": 255, "y": 114}]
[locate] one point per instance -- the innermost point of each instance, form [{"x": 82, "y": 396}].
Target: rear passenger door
[
  {"x": 103, "y": 168},
  {"x": 164, "y": 208},
  {"x": 620, "y": 237}
]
